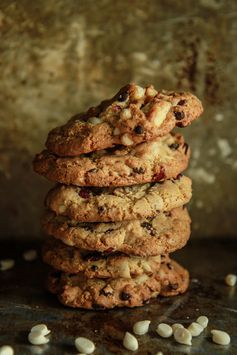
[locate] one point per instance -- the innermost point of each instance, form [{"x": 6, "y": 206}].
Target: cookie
[
  {"x": 161, "y": 234},
  {"x": 119, "y": 203},
  {"x": 134, "y": 115},
  {"x": 161, "y": 159},
  {"x": 75, "y": 290},
  {"x": 97, "y": 265}
]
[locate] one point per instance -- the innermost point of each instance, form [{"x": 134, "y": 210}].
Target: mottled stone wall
[{"x": 59, "y": 57}]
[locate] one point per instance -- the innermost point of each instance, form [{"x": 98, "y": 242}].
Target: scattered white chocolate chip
[
  {"x": 141, "y": 327},
  {"x": 195, "y": 329},
  {"x": 176, "y": 326},
  {"x": 160, "y": 112},
  {"x": 138, "y": 93},
  {"x": 6, "y": 264},
  {"x": 125, "y": 114},
  {"x": 183, "y": 336},
  {"x": 164, "y": 330},
  {"x": 220, "y": 337},
  {"x": 130, "y": 342},
  {"x": 126, "y": 140},
  {"x": 84, "y": 345},
  {"x": 159, "y": 353},
  {"x": 230, "y": 279},
  {"x": 116, "y": 131},
  {"x": 94, "y": 120},
  {"x": 42, "y": 328},
  {"x": 6, "y": 350},
  {"x": 37, "y": 338},
  {"x": 150, "y": 91},
  {"x": 30, "y": 255},
  {"x": 203, "y": 321}
]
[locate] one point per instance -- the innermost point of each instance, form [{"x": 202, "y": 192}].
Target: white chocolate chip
[
  {"x": 203, "y": 321},
  {"x": 130, "y": 342},
  {"x": 141, "y": 279},
  {"x": 30, "y": 255},
  {"x": 195, "y": 329},
  {"x": 138, "y": 93},
  {"x": 116, "y": 131},
  {"x": 42, "y": 328},
  {"x": 160, "y": 112},
  {"x": 159, "y": 353},
  {"x": 6, "y": 350},
  {"x": 176, "y": 326},
  {"x": 220, "y": 337},
  {"x": 141, "y": 327},
  {"x": 6, "y": 264},
  {"x": 183, "y": 336},
  {"x": 125, "y": 114},
  {"x": 125, "y": 270},
  {"x": 84, "y": 345},
  {"x": 94, "y": 120},
  {"x": 164, "y": 330},
  {"x": 151, "y": 92},
  {"x": 126, "y": 140},
  {"x": 230, "y": 279},
  {"x": 37, "y": 338}
]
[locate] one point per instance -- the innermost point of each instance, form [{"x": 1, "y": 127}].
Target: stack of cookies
[{"x": 118, "y": 209}]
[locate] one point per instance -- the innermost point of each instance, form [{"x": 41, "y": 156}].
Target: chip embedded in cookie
[
  {"x": 134, "y": 115},
  {"x": 161, "y": 159}
]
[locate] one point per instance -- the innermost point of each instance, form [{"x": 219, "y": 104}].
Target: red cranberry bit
[
  {"x": 159, "y": 176},
  {"x": 109, "y": 250},
  {"x": 84, "y": 193},
  {"x": 179, "y": 115},
  {"x": 138, "y": 129}
]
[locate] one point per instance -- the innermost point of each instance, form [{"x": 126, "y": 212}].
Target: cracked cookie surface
[
  {"x": 154, "y": 161},
  {"x": 118, "y": 203},
  {"x": 134, "y": 115},
  {"x": 97, "y": 265},
  {"x": 75, "y": 290},
  {"x": 158, "y": 235}
]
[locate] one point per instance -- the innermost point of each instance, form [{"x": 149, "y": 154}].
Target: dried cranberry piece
[
  {"x": 138, "y": 129},
  {"x": 159, "y": 176},
  {"x": 109, "y": 250},
  {"x": 84, "y": 193},
  {"x": 124, "y": 296},
  {"x": 179, "y": 115}
]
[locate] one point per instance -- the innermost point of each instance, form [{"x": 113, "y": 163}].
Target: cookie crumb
[{"x": 30, "y": 255}]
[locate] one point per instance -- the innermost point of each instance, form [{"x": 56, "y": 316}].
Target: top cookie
[
  {"x": 153, "y": 161},
  {"x": 132, "y": 116}
]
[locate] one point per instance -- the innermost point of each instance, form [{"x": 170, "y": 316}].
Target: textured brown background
[{"x": 59, "y": 57}]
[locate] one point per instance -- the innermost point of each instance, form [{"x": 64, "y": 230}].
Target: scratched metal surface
[{"x": 23, "y": 303}]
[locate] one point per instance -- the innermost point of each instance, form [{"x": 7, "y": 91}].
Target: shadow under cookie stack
[{"x": 118, "y": 209}]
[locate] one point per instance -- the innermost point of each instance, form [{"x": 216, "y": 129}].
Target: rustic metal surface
[{"x": 23, "y": 303}]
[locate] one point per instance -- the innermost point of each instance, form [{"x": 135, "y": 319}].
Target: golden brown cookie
[
  {"x": 154, "y": 161},
  {"x": 93, "y": 204},
  {"x": 75, "y": 290},
  {"x": 161, "y": 234},
  {"x": 97, "y": 265},
  {"x": 134, "y": 115}
]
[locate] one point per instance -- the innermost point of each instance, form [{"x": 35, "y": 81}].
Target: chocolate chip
[
  {"x": 179, "y": 115},
  {"x": 149, "y": 227},
  {"x": 94, "y": 170},
  {"x": 93, "y": 256},
  {"x": 174, "y": 146},
  {"x": 104, "y": 292},
  {"x": 101, "y": 209},
  {"x": 94, "y": 267},
  {"x": 97, "y": 306},
  {"x": 138, "y": 129},
  {"x": 138, "y": 170},
  {"x": 185, "y": 145},
  {"x": 174, "y": 286},
  {"x": 124, "y": 296},
  {"x": 123, "y": 96},
  {"x": 169, "y": 266},
  {"x": 182, "y": 102},
  {"x": 178, "y": 177},
  {"x": 84, "y": 193},
  {"x": 87, "y": 226}
]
